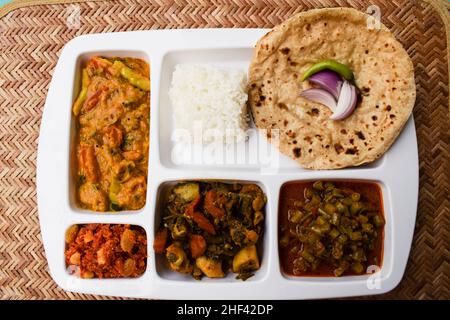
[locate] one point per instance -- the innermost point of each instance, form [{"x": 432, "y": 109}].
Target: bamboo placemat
[{"x": 31, "y": 39}]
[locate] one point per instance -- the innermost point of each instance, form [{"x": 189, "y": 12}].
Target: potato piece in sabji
[
  {"x": 75, "y": 259},
  {"x": 101, "y": 256},
  {"x": 246, "y": 260},
  {"x": 177, "y": 259},
  {"x": 210, "y": 267},
  {"x": 127, "y": 240},
  {"x": 129, "y": 267},
  {"x": 91, "y": 195},
  {"x": 112, "y": 136},
  {"x": 187, "y": 191},
  {"x": 71, "y": 233}
]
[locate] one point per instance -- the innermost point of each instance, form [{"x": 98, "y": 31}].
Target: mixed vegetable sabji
[
  {"x": 209, "y": 228},
  {"x": 330, "y": 228}
]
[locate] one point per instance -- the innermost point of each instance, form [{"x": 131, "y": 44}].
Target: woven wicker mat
[{"x": 32, "y": 37}]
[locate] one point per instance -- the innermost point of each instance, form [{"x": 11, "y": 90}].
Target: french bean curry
[
  {"x": 113, "y": 113},
  {"x": 330, "y": 228},
  {"x": 210, "y": 228},
  {"x": 106, "y": 251}
]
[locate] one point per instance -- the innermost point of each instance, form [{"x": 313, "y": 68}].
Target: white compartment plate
[{"x": 396, "y": 172}]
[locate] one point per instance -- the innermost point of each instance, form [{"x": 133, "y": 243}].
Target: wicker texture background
[{"x": 32, "y": 37}]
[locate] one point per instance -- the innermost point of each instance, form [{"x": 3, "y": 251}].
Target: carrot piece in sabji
[
  {"x": 189, "y": 211},
  {"x": 87, "y": 163},
  {"x": 159, "y": 243},
  {"x": 203, "y": 223},
  {"x": 197, "y": 244},
  {"x": 210, "y": 199}
]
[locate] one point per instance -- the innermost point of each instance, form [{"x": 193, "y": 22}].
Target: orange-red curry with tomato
[{"x": 112, "y": 112}]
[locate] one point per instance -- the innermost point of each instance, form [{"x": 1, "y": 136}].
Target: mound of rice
[{"x": 210, "y": 102}]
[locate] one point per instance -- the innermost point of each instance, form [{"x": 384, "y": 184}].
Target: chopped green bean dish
[{"x": 330, "y": 228}]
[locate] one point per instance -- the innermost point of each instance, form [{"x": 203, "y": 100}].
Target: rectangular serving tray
[{"x": 396, "y": 172}]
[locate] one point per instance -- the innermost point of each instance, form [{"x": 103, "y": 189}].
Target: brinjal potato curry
[
  {"x": 113, "y": 113},
  {"x": 210, "y": 228},
  {"x": 330, "y": 228}
]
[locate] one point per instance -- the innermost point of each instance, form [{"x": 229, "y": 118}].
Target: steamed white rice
[{"x": 209, "y": 103}]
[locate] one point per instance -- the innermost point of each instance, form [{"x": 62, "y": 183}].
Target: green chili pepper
[
  {"x": 332, "y": 65},
  {"x": 134, "y": 78},
  {"x": 83, "y": 92}
]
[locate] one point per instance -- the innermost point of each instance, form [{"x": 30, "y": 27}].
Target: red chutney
[
  {"x": 106, "y": 250},
  {"x": 364, "y": 229}
]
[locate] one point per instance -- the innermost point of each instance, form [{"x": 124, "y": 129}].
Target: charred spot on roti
[
  {"x": 282, "y": 106},
  {"x": 360, "y": 135},
  {"x": 352, "y": 151},
  {"x": 285, "y": 122},
  {"x": 294, "y": 142},
  {"x": 339, "y": 148},
  {"x": 374, "y": 118},
  {"x": 313, "y": 112},
  {"x": 258, "y": 104},
  {"x": 297, "y": 152},
  {"x": 262, "y": 98},
  {"x": 308, "y": 139},
  {"x": 388, "y": 108},
  {"x": 392, "y": 116},
  {"x": 291, "y": 134},
  {"x": 365, "y": 90},
  {"x": 285, "y": 50},
  {"x": 352, "y": 141},
  {"x": 343, "y": 131}
]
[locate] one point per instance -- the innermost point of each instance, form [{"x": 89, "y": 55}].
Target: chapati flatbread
[{"x": 382, "y": 69}]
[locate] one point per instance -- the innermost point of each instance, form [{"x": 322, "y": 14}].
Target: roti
[{"x": 302, "y": 129}]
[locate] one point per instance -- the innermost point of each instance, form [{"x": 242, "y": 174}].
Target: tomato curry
[{"x": 112, "y": 112}]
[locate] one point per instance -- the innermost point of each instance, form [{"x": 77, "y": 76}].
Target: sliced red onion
[
  {"x": 346, "y": 102},
  {"x": 329, "y": 81},
  {"x": 320, "y": 96}
]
